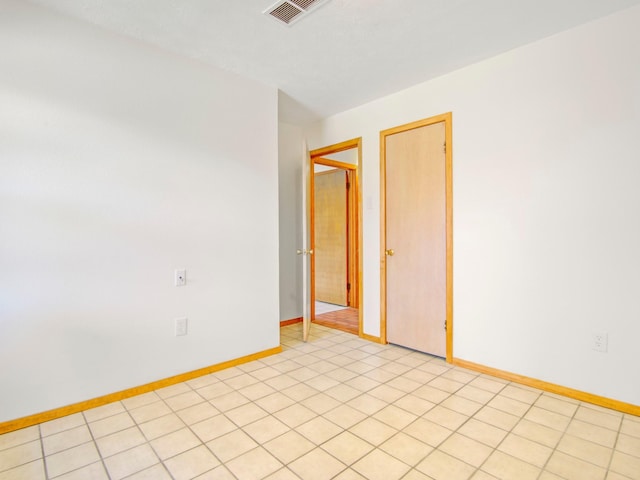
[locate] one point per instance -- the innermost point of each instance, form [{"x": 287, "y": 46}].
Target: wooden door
[
  {"x": 416, "y": 237},
  {"x": 330, "y": 232}
]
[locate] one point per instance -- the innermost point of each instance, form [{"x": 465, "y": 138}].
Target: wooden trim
[
  {"x": 334, "y": 163},
  {"x": 372, "y": 338},
  {"x": 30, "y": 420},
  {"x": 291, "y": 321},
  {"x": 551, "y": 387},
  {"x": 447, "y": 119},
  {"x": 336, "y": 147},
  {"x": 449, "y": 212}
]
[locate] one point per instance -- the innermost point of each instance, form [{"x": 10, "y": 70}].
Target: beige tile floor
[{"x": 336, "y": 407}]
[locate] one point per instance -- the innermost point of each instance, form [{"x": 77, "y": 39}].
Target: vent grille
[
  {"x": 303, "y": 4},
  {"x": 290, "y": 11},
  {"x": 285, "y": 12}
]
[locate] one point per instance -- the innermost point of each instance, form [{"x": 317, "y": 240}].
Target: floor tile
[
  {"x": 509, "y": 405},
  {"x": 104, "y": 411},
  {"x": 585, "y": 450},
  {"x": 395, "y": 417},
  {"x": 445, "y": 417},
  {"x": 373, "y": 431},
  {"x": 626, "y": 465},
  {"x": 18, "y": 437},
  {"x": 321, "y": 403},
  {"x": 28, "y": 471},
  {"x": 245, "y": 414},
  {"x": 295, "y": 415},
  {"x": 150, "y": 411},
  {"x": 571, "y": 468},
  {"x": 161, "y": 426},
  {"x": 516, "y": 392},
  {"x": 95, "y": 471},
  {"x": 61, "y": 424},
  {"x": 415, "y": 405},
  {"x": 184, "y": 400},
  {"x": 317, "y": 465},
  {"x": 289, "y": 446},
  {"x": 406, "y": 448},
  {"x": 347, "y": 448},
  {"x": 599, "y": 417},
  {"x": 67, "y": 439},
  {"x": 197, "y": 413},
  {"x": 253, "y": 465},
  {"x": 440, "y": 466},
  {"x": 156, "y": 472},
  {"x": 130, "y": 461},
  {"x": 265, "y": 429},
  {"x": 466, "y": 449},
  {"x": 191, "y": 463},
  {"x": 593, "y": 433},
  {"x": 120, "y": 441},
  {"x": 231, "y": 445},
  {"x": 367, "y": 404},
  {"x": 229, "y": 401},
  {"x": 379, "y": 465},
  {"x": 71, "y": 459},
  {"x": 112, "y": 424},
  {"x": 525, "y": 450},
  {"x": 501, "y": 465},
  {"x": 555, "y": 405},
  {"x": 213, "y": 427},
  {"x": 318, "y": 430},
  {"x": 173, "y": 390},
  {"x": 428, "y": 432},
  {"x": 140, "y": 400},
  {"x": 174, "y": 443},
  {"x": 631, "y": 428},
  {"x": 537, "y": 433},
  {"x": 20, "y": 454},
  {"x": 628, "y": 444}
]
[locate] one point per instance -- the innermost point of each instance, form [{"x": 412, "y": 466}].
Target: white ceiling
[{"x": 346, "y": 52}]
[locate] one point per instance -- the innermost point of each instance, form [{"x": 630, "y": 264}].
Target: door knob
[
  {"x": 299, "y": 252},
  {"x": 389, "y": 252}
]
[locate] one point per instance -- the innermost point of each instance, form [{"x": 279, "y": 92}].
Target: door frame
[
  {"x": 316, "y": 157},
  {"x": 446, "y": 118}
]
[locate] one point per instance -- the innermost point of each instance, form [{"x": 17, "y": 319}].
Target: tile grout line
[
  {"x": 44, "y": 459},
  {"x": 93, "y": 439}
]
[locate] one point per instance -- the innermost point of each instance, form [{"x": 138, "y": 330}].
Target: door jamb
[
  {"x": 315, "y": 156},
  {"x": 446, "y": 118}
]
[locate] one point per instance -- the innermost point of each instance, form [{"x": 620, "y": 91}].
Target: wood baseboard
[
  {"x": 284, "y": 323},
  {"x": 30, "y": 420},
  {"x": 551, "y": 387}
]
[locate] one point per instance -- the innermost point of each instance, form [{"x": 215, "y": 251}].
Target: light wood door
[
  {"x": 330, "y": 232},
  {"x": 416, "y": 238}
]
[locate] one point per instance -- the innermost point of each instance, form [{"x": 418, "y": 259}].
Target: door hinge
[
  {"x": 444, "y": 147},
  {"x": 348, "y": 286},
  {"x": 348, "y": 185},
  {"x": 445, "y": 325}
]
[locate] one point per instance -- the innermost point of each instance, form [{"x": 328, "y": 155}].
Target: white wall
[
  {"x": 546, "y": 203},
  {"x": 291, "y": 155},
  {"x": 118, "y": 164}
]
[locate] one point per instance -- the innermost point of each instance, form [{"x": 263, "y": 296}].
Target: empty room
[{"x": 319, "y": 239}]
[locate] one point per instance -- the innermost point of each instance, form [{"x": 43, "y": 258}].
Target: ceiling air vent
[{"x": 290, "y": 11}]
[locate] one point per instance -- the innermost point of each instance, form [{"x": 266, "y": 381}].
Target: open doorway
[{"x": 335, "y": 236}]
